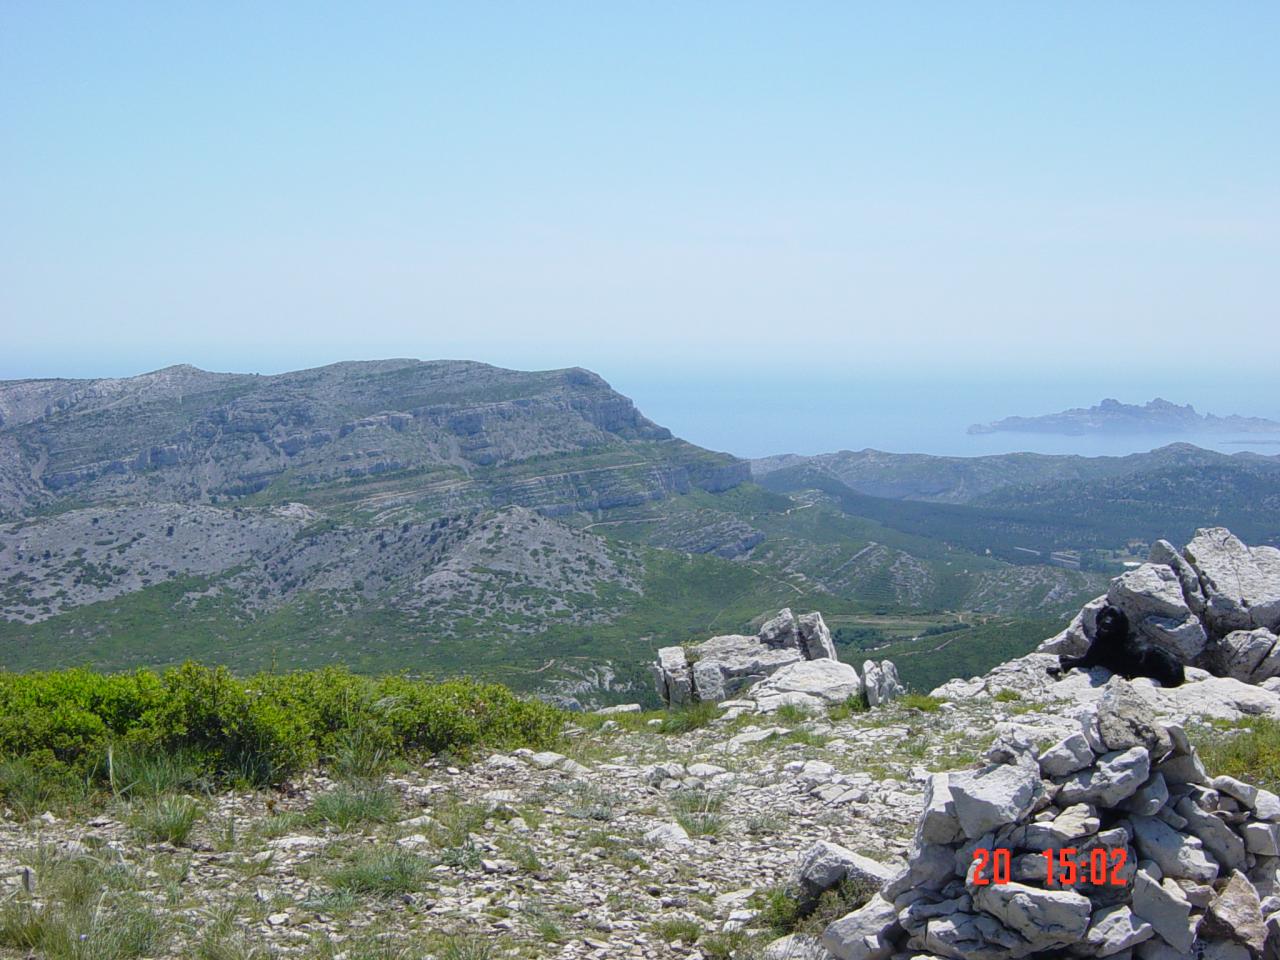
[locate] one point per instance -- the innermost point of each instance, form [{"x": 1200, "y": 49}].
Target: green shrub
[{"x": 144, "y": 733}]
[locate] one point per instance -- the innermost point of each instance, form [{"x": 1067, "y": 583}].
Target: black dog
[{"x": 1115, "y": 648}]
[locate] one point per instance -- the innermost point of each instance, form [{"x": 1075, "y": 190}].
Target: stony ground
[{"x": 627, "y": 842}]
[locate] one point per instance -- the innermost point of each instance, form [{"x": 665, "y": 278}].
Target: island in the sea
[{"x": 1114, "y": 417}]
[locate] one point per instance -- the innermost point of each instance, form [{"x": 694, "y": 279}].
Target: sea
[{"x": 756, "y": 413}]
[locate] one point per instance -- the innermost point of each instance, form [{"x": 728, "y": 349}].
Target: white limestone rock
[
  {"x": 866, "y": 934},
  {"x": 826, "y": 681},
  {"x": 825, "y": 865},
  {"x": 993, "y": 796},
  {"x": 880, "y": 682},
  {"x": 1151, "y": 596},
  {"x": 1162, "y": 904},
  {"x": 1241, "y": 584},
  {"x": 1044, "y": 918}
]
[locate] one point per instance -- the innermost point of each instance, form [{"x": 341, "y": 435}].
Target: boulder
[
  {"x": 1162, "y": 904},
  {"x": 1241, "y": 584},
  {"x": 1044, "y": 918},
  {"x": 880, "y": 682},
  {"x": 1151, "y": 596},
  {"x": 815, "y": 638},
  {"x": 807, "y": 683},
  {"x": 671, "y": 676},
  {"x": 1247, "y": 655},
  {"x": 1075, "y": 639},
  {"x": 826, "y": 865},
  {"x": 722, "y": 667},
  {"x": 866, "y": 934},
  {"x": 1164, "y": 552},
  {"x": 1236, "y": 914}
]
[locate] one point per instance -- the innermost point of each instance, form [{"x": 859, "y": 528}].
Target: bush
[{"x": 146, "y": 732}]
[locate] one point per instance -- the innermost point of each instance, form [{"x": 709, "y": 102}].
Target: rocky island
[{"x": 1113, "y": 417}]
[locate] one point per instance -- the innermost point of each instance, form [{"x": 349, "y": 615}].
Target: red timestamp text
[{"x": 1064, "y": 867}]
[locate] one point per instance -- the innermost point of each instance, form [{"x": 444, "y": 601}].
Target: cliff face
[{"x": 448, "y": 430}]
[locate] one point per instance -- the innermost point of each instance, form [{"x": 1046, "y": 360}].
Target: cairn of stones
[
  {"x": 1113, "y": 842},
  {"x": 792, "y": 660}
]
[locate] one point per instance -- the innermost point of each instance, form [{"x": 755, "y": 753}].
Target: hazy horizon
[{"x": 766, "y": 409}]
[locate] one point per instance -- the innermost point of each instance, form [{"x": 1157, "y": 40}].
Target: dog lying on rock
[{"x": 1119, "y": 650}]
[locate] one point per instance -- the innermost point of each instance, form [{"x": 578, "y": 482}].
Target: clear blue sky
[{"x": 739, "y": 187}]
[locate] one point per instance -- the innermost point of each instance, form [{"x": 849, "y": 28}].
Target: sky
[{"x": 746, "y": 193}]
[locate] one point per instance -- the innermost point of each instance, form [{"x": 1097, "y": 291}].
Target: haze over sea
[{"x": 759, "y": 412}]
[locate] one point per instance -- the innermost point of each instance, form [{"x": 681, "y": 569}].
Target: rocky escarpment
[
  {"x": 791, "y": 661},
  {"x": 1147, "y": 855},
  {"x": 183, "y": 434},
  {"x": 1214, "y": 605}
]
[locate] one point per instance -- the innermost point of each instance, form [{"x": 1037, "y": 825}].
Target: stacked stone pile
[
  {"x": 1214, "y": 605},
  {"x": 1190, "y": 863},
  {"x": 792, "y": 660}
]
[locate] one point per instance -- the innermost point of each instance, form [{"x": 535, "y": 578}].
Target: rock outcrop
[
  {"x": 1214, "y": 605},
  {"x": 1150, "y": 857},
  {"x": 791, "y": 661}
]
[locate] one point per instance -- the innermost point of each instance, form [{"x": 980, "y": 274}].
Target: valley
[{"x": 534, "y": 528}]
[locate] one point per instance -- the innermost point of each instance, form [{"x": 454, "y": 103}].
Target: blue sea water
[{"x": 758, "y": 413}]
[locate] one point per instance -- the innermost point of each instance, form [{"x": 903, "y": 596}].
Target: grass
[
  {"x": 766, "y": 823},
  {"x": 465, "y": 947},
  {"x": 354, "y": 803},
  {"x": 590, "y": 802},
  {"x": 782, "y": 910},
  {"x": 165, "y": 819},
  {"x": 791, "y": 713},
  {"x": 698, "y": 811},
  {"x": 134, "y": 771},
  {"x": 1007, "y": 696},
  {"x": 806, "y": 738},
  {"x": 380, "y": 872},
  {"x": 88, "y": 909},
  {"x": 29, "y": 789},
  {"x": 692, "y": 717},
  {"x": 1247, "y": 749},
  {"x": 850, "y": 706},
  {"x": 677, "y": 930}
]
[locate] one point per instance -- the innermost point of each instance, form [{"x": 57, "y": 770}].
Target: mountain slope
[{"x": 361, "y": 431}]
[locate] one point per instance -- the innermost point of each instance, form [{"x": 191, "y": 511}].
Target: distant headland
[{"x": 1113, "y": 417}]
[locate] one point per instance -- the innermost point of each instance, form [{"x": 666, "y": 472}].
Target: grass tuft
[
  {"x": 166, "y": 819},
  {"x": 353, "y": 803},
  {"x": 695, "y": 716}
]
